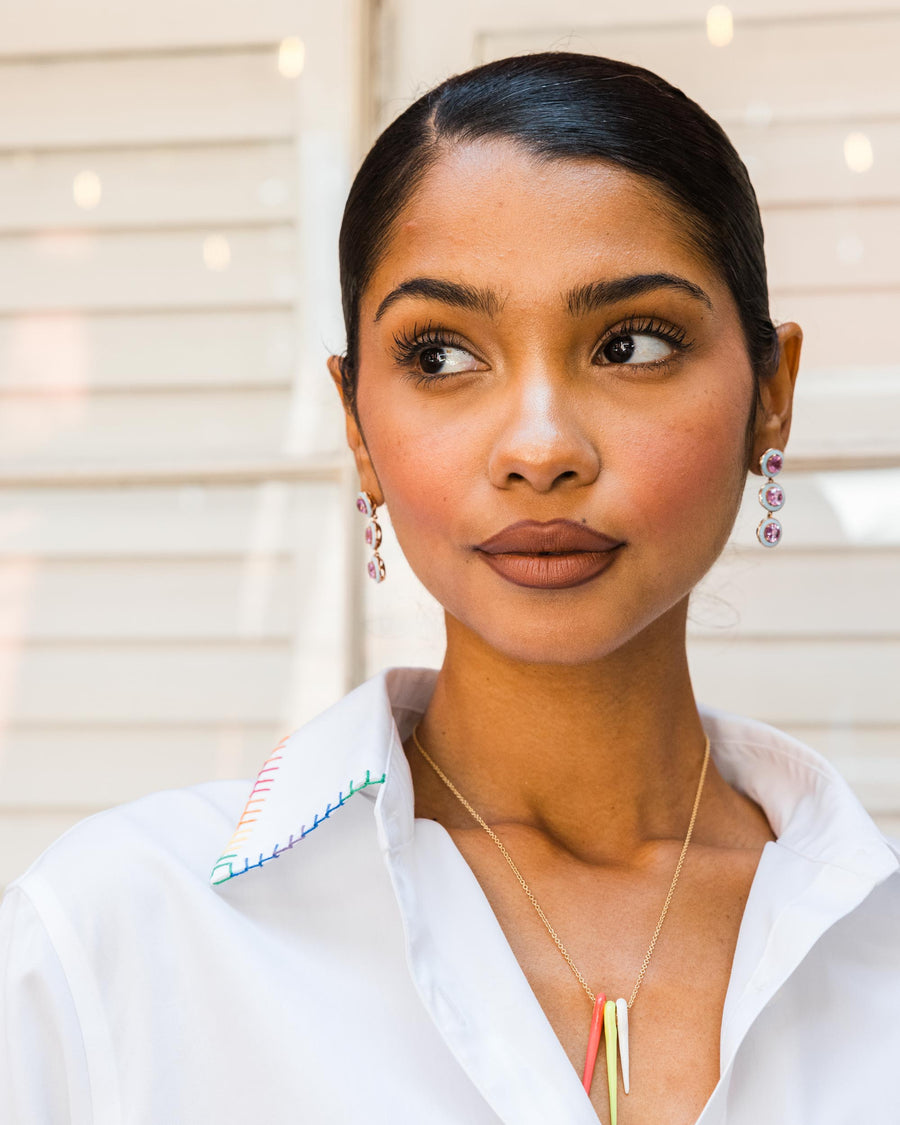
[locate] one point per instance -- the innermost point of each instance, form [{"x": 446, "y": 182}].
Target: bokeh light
[
  {"x": 87, "y": 190},
  {"x": 216, "y": 252},
  {"x": 719, "y": 25},
  {"x": 850, "y": 249},
  {"x": 858, "y": 152},
  {"x": 272, "y": 192},
  {"x": 291, "y": 56}
]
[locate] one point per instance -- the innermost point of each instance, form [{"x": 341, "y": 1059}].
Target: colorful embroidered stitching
[
  {"x": 262, "y": 777},
  {"x": 226, "y": 859}
]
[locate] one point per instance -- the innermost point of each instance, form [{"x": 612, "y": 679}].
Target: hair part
[{"x": 561, "y": 106}]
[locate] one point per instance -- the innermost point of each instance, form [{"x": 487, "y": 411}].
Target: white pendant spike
[{"x": 622, "y": 1023}]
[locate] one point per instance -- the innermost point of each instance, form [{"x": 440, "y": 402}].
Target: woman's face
[{"x": 523, "y": 358}]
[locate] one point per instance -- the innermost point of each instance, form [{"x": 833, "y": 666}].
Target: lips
[
  {"x": 553, "y": 555},
  {"x": 528, "y": 537}
]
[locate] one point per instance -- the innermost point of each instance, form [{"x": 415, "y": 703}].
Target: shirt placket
[{"x": 466, "y": 974}]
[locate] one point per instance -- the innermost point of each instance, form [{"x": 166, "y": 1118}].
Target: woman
[{"x": 543, "y": 883}]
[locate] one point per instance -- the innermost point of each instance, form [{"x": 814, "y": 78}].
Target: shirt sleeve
[{"x": 44, "y": 1078}]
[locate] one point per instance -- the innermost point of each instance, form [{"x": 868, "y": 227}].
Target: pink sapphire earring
[
  {"x": 366, "y": 504},
  {"x": 771, "y": 496}
]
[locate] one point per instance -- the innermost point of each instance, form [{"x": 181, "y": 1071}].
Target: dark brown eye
[
  {"x": 636, "y": 348},
  {"x": 619, "y": 350},
  {"x": 444, "y": 359},
  {"x": 432, "y": 360}
]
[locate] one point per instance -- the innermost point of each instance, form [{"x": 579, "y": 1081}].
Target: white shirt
[{"x": 342, "y": 964}]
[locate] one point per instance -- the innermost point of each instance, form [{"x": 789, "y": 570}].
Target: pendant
[
  {"x": 610, "y": 1017},
  {"x": 622, "y": 1022},
  {"x": 593, "y": 1042},
  {"x": 612, "y": 1040}
]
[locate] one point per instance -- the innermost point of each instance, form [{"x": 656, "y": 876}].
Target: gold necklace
[{"x": 609, "y": 1016}]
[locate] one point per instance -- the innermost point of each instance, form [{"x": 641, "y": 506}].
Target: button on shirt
[{"x": 313, "y": 953}]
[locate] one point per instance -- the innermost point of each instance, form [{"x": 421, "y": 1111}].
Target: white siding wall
[{"x": 173, "y": 573}]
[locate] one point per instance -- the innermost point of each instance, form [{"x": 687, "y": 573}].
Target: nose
[{"x": 541, "y": 440}]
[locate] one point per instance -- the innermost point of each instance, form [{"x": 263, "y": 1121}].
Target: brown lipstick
[{"x": 549, "y": 556}]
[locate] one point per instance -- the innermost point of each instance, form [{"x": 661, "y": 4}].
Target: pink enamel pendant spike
[{"x": 593, "y": 1042}]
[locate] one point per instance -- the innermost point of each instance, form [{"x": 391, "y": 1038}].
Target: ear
[
  {"x": 368, "y": 481},
  {"x": 773, "y": 424}
]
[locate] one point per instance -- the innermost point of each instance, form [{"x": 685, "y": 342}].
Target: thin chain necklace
[{"x": 610, "y": 1016}]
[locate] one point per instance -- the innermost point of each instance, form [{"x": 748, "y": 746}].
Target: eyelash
[
  {"x": 649, "y": 326},
  {"x": 408, "y": 346}
]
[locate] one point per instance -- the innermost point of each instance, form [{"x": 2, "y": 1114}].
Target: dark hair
[{"x": 560, "y": 105}]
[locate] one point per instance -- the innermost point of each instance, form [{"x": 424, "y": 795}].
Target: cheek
[
  {"x": 424, "y": 471},
  {"x": 684, "y": 476}
]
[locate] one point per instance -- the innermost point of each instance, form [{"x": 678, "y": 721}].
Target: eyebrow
[
  {"x": 447, "y": 292},
  {"x": 579, "y": 301},
  {"x": 587, "y": 298}
]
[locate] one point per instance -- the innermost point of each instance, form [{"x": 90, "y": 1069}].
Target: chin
[{"x": 575, "y": 642}]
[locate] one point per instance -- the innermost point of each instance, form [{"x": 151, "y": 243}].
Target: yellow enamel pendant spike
[{"x": 612, "y": 1072}]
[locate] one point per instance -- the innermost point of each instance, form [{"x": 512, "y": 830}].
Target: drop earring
[
  {"x": 365, "y": 503},
  {"x": 771, "y": 496}
]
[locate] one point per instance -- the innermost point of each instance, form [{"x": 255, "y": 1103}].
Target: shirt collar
[
  {"x": 811, "y": 808},
  {"x": 313, "y": 772},
  {"x": 356, "y": 744},
  {"x": 828, "y": 856}
]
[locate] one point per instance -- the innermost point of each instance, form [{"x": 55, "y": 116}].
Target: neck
[{"x": 604, "y": 758}]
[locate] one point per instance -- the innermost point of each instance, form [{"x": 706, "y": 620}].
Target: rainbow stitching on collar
[{"x": 263, "y": 785}]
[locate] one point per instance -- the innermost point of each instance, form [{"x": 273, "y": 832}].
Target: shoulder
[
  {"x": 120, "y": 885},
  {"x": 172, "y": 834}
]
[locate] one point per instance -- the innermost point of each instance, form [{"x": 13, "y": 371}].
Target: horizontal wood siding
[{"x": 173, "y": 572}]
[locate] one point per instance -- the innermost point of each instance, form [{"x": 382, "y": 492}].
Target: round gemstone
[
  {"x": 768, "y": 532},
  {"x": 362, "y": 506},
  {"x": 774, "y": 496},
  {"x": 774, "y": 463},
  {"x": 375, "y": 567},
  {"x": 369, "y": 535}
]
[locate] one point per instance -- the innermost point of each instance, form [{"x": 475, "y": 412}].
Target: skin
[{"x": 567, "y": 716}]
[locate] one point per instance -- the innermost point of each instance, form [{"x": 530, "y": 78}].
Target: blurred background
[{"x": 181, "y": 563}]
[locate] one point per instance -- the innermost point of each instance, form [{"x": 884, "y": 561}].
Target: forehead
[{"x": 532, "y": 226}]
